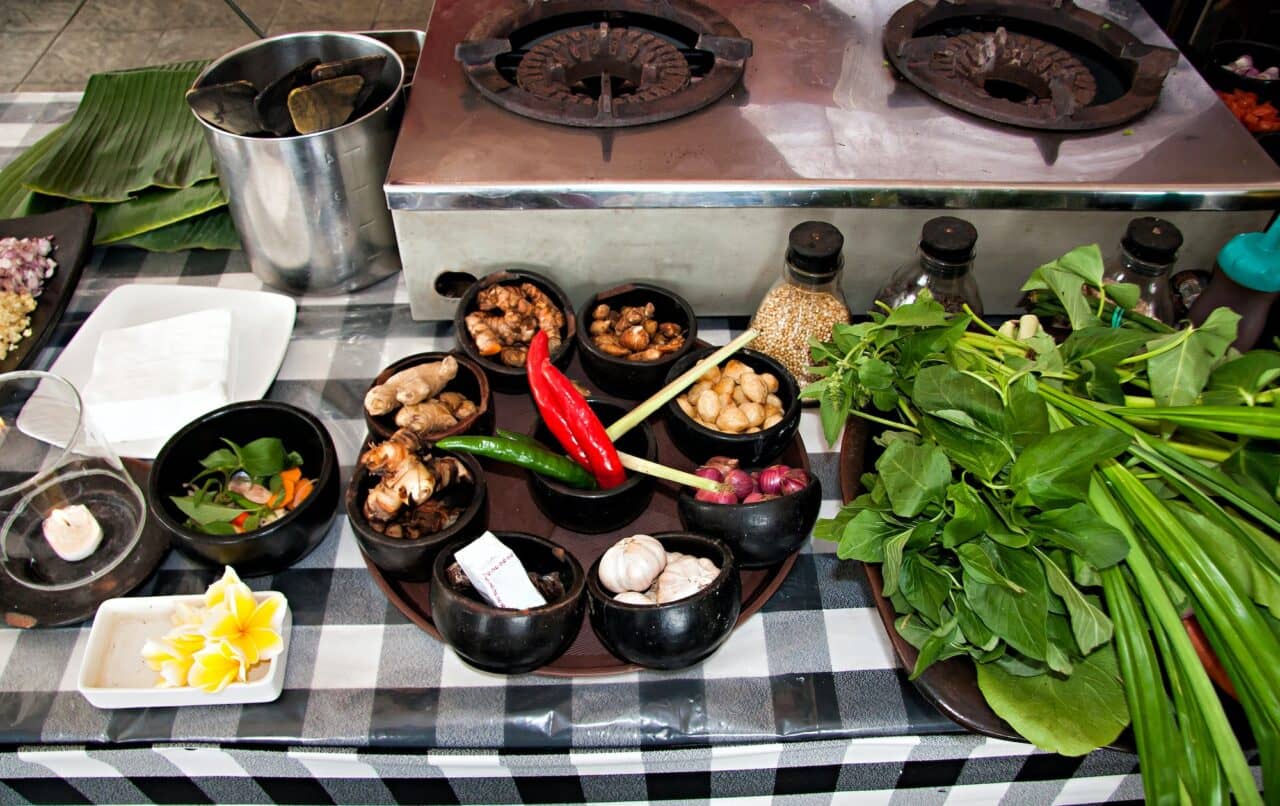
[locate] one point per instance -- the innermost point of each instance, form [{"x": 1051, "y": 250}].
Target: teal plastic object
[{"x": 1252, "y": 259}]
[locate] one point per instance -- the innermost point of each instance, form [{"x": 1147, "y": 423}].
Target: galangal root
[
  {"x": 436, "y": 415},
  {"x": 403, "y": 503},
  {"x": 507, "y": 319}
]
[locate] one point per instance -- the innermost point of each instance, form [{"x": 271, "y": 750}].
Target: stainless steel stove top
[{"x": 819, "y": 120}]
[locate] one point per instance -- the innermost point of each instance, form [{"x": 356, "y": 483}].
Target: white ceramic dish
[
  {"x": 113, "y": 674},
  {"x": 262, "y": 323}
]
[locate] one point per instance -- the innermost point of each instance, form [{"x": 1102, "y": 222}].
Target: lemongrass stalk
[
  {"x": 637, "y": 415},
  {"x": 1139, "y": 402},
  {"x": 641, "y": 465},
  {"x": 1156, "y": 598}
]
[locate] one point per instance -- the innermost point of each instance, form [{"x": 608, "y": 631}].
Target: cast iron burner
[
  {"x": 1042, "y": 64},
  {"x": 604, "y": 63}
]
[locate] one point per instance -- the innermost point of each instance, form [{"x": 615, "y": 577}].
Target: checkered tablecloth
[{"x": 804, "y": 702}]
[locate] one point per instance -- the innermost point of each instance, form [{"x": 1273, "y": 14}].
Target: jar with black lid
[
  {"x": 1147, "y": 252},
  {"x": 944, "y": 266},
  {"x": 807, "y": 301}
]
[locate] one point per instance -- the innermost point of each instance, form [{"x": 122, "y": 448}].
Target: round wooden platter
[
  {"x": 511, "y": 508},
  {"x": 949, "y": 685}
]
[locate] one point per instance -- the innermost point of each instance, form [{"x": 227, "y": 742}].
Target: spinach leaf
[
  {"x": 969, "y": 446},
  {"x": 924, "y": 312},
  {"x": 1089, "y": 625},
  {"x": 925, "y": 585},
  {"x": 1068, "y": 715},
  {"x": 1026, "y": 415},
  {"x": 1083, "y": 531},
  {"x": 1018, "y": 618},
  {"x": 969, "y": 515},
  {"x": 1055, "y": 469},
  {"x": 941, "y": 388},
  {"x": 915, "y": 476},
  {"x": 221, "y": 459},
  {"x": 1255, "y": 466},
  {"x": 1178, "y": 375},
  {"x": 864, "y": 537},
  {"x": 975, "y": 632},
  {"x": 892, "y": 567},
  {"x": 978, "y": 561},
  {"x": 1104, "y": 346},
  {"x": 1241, "y": 378},
  {"x": 945, "y": 641}
]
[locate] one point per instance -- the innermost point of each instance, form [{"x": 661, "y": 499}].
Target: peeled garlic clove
[
  {"x": 684, "y": 577},
  {"x": 634, "y": 597},
  {"x": 72, "y": 532}
]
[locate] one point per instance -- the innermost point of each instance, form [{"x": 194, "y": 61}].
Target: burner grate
[
  {"x": 1043, "y": 64},
  {"x": 1045, "y": 78},
  {"x": 604, "y": 63},
  {"x": 601, "y": 66}
]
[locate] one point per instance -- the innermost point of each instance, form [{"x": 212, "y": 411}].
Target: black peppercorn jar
[
  {"x": 807, "y": 301},
  {"x": 944, "y": 266},
  {"x": 1147, "y": 253}
]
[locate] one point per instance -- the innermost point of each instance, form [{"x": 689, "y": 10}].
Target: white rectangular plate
[
  {"x": 261, "y": 325},
  {"x": 113, "y": 674}
]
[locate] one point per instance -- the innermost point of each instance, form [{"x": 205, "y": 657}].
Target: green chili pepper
[{"x": 523, "y": 452}]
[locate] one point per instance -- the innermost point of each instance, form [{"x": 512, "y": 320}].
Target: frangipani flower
[
  {"x": 246, "y": 625},
  {"x": 212, "y": 646},
  {"x": 215, "y": 667},
  {"x": 172, "y": 664},
  {"x": 217, "y": 592}
]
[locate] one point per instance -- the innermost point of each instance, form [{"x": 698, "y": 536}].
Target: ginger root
[
  {"x": 436, "y": 415},
  {"x": 409, "y": 386}
]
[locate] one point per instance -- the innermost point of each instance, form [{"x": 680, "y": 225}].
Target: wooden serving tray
[{"x": 511, "y": 508}]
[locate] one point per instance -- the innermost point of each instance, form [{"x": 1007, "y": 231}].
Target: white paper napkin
[{"x": 151, "y": 379}]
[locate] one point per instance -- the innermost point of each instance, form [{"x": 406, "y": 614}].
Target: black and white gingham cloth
[{"x": 804, "y": 703}]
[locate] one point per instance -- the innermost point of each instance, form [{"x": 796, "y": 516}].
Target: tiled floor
[{"x": 55, "y": 45}]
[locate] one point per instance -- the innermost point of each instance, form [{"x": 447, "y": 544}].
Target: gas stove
[{"x": 690, "y": 137}]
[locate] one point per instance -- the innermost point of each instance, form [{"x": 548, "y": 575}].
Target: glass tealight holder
[{"x": 51, "y": 461}]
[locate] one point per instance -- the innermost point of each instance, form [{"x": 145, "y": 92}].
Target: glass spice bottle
[
  {"x": 806, "y": 302},
  {"x": 1147, "y": 253},
  {"x": 944, "y": 267}
]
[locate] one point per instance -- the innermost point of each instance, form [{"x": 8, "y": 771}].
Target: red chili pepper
[
  {"x": 548, "y": 402},
  {"x": 238, "y": 521},
  {"x": 587, "y": 430}
]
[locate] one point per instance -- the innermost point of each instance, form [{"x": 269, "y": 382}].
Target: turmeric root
[
  {"x": 507, "y": 319},
  {"x": 410, "y": 386}
]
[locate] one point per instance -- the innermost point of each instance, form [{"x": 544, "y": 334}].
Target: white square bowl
[{"x": 113, "y": 674}]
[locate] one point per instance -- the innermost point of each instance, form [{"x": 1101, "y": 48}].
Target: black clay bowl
[
  {"x": 502, "y": 377},
  {"x": 619, "y": 376},
  {"x": 699, "y": 443},
  {"x": 471, "y": 381},
  {"x": 676, "y": 634},
  {"x": 760, "y": 534},
  {"x": 1228, "y": 51},
  {"x": 279, "y": 544},
  {"x": 506, "y": 641},
  {"x": 411, "y": 558},
  {"x": 596, "y": 511}
]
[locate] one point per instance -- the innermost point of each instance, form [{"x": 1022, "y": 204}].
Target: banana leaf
[
  {"x": 153, "y": 209},
  {"x": 17, "y": 201},
  {"x": 132, "y": 130},
  {"x": 212, "y": 230}
]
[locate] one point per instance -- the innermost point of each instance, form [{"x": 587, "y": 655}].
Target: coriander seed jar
[{"x": 807, "y": 302}]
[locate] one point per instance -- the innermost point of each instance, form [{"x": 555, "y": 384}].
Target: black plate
[
  {"x": 30, "y": 607},
  {"x": 72, "y": 231}
]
